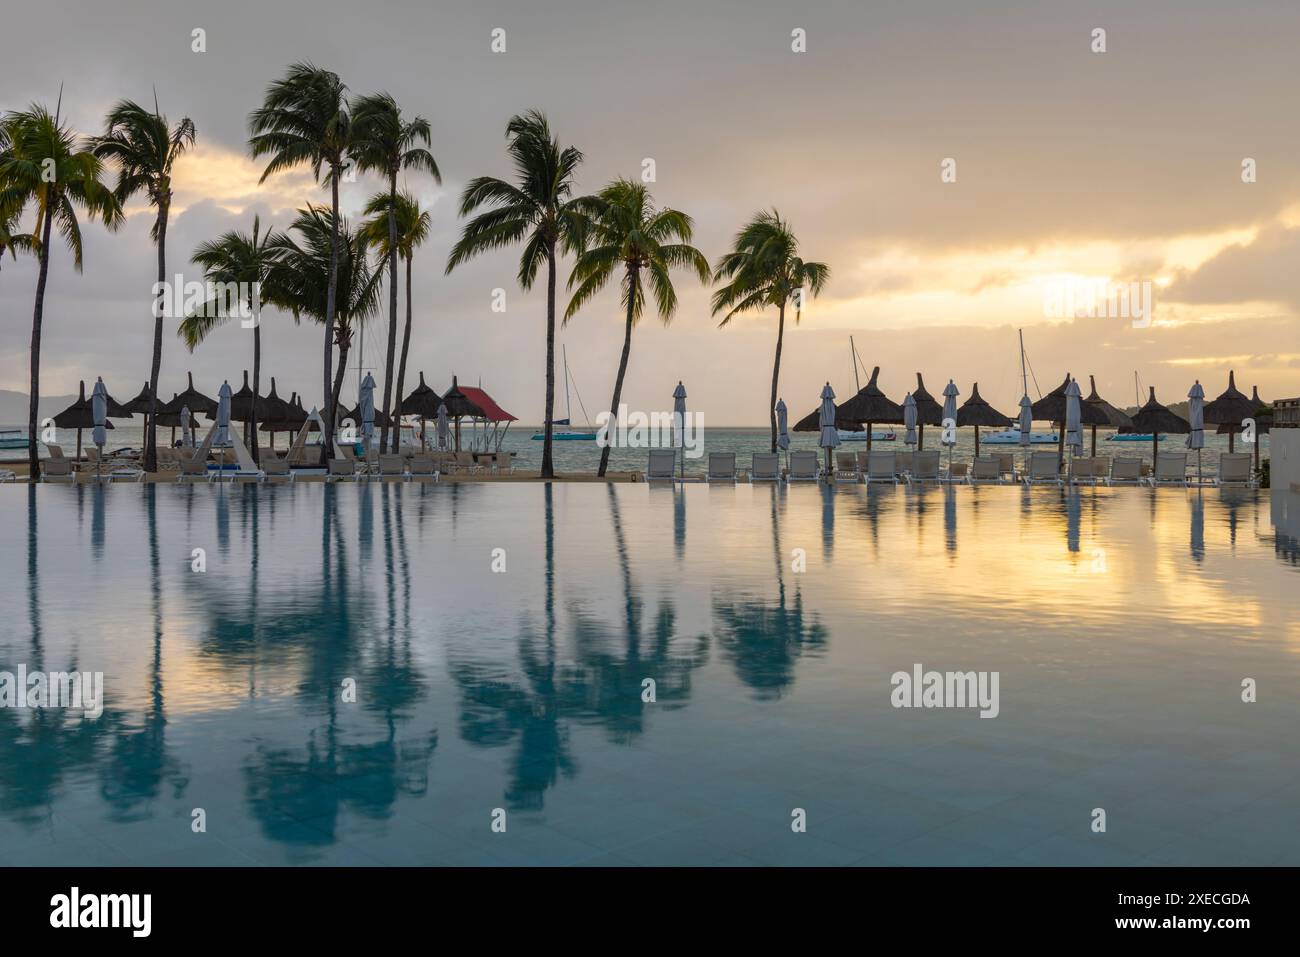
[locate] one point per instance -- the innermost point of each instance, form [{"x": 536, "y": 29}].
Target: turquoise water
[
  {"x": 1122, "y": 623},
  {"x": 582, "y": 457}
]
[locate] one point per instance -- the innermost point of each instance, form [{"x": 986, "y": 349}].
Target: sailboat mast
[
  {"x": 568, "y": 413},
  {"x": 857, "y": 386},
  {"x": 1024, "y": 376}
]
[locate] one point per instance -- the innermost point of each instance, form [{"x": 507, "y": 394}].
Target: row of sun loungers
[{"x": 888, "y": 467}]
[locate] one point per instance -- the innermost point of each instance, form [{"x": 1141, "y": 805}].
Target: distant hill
[{"x": 13, "y": 406}]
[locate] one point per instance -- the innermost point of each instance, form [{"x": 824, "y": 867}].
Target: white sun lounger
[
  {"x": 880, "y": 468},
  {"x": 343, "y": 470},
  {"x": 925, "y": 468},
  {"x": 1044, "y": 469},
  {"x": 1235, "y": 469},
  {"x": 765, "y": 467},
  {"x": 424, "y": 468},
  {"x": 846, "y": 467},
  {"x": 661, "y": 466},
  {"x": 194, "y": 468},
  {"x": 391, "y": 467},
  {"x": 985, "y": 470},
  {"x": 277, "y": 470},
  {"x": 1171, "y": 469},
  {"x": 1125, "y": 471},
  {"x": 803, "y": 466},
  {"x": 58, "y": 469},
  {"x": 722, "y": 467}
]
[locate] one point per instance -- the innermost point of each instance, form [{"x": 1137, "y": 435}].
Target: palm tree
[
  {"x": 538, "y": 211},
  {"x": 45, "y": 165},
  {"x": 13, "y": 242},
  {"x": 764, "y": 269},
  {"x": 304, "y": 119},
  {"x": 627, "y": 232},
  {"x": 298, "y": 279},
  {"x": 145, "y": 148},
  {"x": 413, "y": 227},
  {"x": 385, "y": 142},
  {"x": 244, "y": 261}
]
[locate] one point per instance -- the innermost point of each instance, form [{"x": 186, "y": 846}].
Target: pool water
[{"x": 458, "y": 675}]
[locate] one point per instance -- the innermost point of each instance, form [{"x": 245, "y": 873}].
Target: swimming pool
[{"x": 458, "y": 675}]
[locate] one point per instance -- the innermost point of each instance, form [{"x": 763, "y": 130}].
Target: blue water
[{"x": 1121, "y": 622}]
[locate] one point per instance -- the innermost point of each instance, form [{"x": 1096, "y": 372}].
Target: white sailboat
[
  {"x": 1134, "y": 436},
  {"x": 1012, "y": 436},
  {"x": 562, "y": 430}
]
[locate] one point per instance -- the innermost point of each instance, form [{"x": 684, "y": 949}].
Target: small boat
[
  {"x": 1012, "y": 437},
  {"x": 13, "y": 439},
  {"x": 561, "y": 429},
  {"x": 1134, "y": 437},
  {"x": 888, "y": 436}
]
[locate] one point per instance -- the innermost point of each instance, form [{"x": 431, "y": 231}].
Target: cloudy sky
[{"x": 1073, "y": 168}]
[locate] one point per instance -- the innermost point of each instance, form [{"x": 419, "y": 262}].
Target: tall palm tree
[
  {"x": 413, "y": 227},
  {"x": 145, "y": 148},
  {"x": 538, "y": 211},
  {"x": 762, "y": 270},
  {"x": 298, "y": 279},
  {"x": 627, "y": 233},
  {"x": 47, "y": 167},
  {"x": 386, "y": 142},
  {"x": 245, "y": 261},
  {"x": 304, "y": 118}
]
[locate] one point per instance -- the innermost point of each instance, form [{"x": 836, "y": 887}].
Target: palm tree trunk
[
  {"x": 548, "y": 466},
  {"x": 38, "y": 312},
  {"x": 622, "y": 367},
  {"x": 151, "y": 433},
  {"x": 401, "y": 366},
  {"x": 776, "y": 370},
  {"x": 329, "y": 397},
  {"x": 335, "y": 390},
  {"x": 257, "y": 376},
  {"x": 392, "y": 308}
]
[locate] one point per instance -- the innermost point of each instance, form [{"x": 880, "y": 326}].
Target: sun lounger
[
  {"x": 424, "y": 468},
  {"x": 56, "y": 451},
  {"x": 277, "y": 470},
  {"x": 880, "y": 468},
  {"x": 392, "y": 467},
  {"x": 803, "y": 466},
  {"x": 8, "y": 475},
  {"x": 1235, "y": 469},
  {"x": 766, "y": 467},
  {"x": 985, "y": 470},
  {"x": 465, "y": 462},
  {"x": 661, "y": 466},
  {"x": 1007, "y": 465},
  {"x": 57, "y": 470},
  {"x": 958, "y": 472},
  {"x": 1044, "y": 469},
  {"x": 343, "y": 470},
  {"x": 1171, "y": 469},
  {"x": 846, "y": 467},
  {"x": 722, "y": 467},
  {"x": 1082, "y": 472},
  {"x": 194, "y": 468},
  {"x": 1126, "y": 471},
  {"x": 925, "y": 468},
  {"x": 122, "y": 473}
]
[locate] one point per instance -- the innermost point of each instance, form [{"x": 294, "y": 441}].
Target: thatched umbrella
[
  {"x": 975, "y": 411},
  {"x": 870, "y": 406},
  {"x": 80, "y": 415},
  {"x": 423, "y": 402},
  {"x": 1263, "y": 416},
  {"x": 459, "y": 406},
  {"x": 1051, "y": 408},
  {"x": 381, "y": 421},
  {"x": 191, "y": 399},
  {"x": 928, "y": 411},
  {"x": 1156, "y": 419},
  {"x": 271, "y": 408},
  {"x": 173, "y": 420},
  {"x": 1230, "y": 408},
  {"x": 812, "y": 423},
  {"x": 1115, "y": 418},
  {"x": 140, "y": 404}
]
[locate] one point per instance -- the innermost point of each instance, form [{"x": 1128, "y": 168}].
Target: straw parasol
[
  {"x": 975, "y": 411},
  {"x": 356, "y": 414},
  {"x": 423, "y": 402},
  {"x": 194, "y": 399},
  {"x": 1263, "y": 416},
  {"x": 79, "y": 416},
  {"x": 928, "y": 411},
  {"x": 1156, "y": 419},
  {"x": 1230, "y": 408},
  {"x": 173, "y": 420},
  {"x": 459, "y": 406},
  {"x": 870, "y": 406},
  {"x": 1051, "y": 408},
  {"x": 140, "y": 404},
  {"x": 1115, "y": 418}
]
